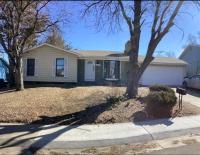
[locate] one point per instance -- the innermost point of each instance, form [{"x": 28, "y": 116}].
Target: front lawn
[{"x": 73, "y": 105}]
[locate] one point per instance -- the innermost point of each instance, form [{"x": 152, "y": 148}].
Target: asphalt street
[{"x": 187, "y": 149}]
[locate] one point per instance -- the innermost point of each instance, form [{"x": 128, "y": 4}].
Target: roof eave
[
  {"x": 127, "y": 59},
  {"x": 184, "y": 51},
  {"x": 45, "y": 44}
]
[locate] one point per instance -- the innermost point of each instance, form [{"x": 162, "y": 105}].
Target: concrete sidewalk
[
  {"x": 52, "y": 136},
  {"x": 191, "y": 97},
  {"x": 192, "y": 100}
]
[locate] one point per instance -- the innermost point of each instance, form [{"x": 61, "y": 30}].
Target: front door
[{"x": 89, "y": 70}]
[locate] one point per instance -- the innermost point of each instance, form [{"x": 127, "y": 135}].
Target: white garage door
[{"x": 166, "y": 75}]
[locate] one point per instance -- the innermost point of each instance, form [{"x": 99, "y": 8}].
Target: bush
[
  {"x": 161, "y": 98},
  {"x": 160, "y": 88},
  {"x": 160, "y": 101}
]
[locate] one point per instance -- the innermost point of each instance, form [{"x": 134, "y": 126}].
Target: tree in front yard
[
  {"x": 54, "y": 37},
  {"x": 20, "y": 23},
  {"x": 157, "y": 16}
]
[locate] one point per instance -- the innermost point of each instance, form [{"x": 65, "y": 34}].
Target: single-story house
[
  {"x": 191, "y": 54},
  {"x": 47, "y": 63}
]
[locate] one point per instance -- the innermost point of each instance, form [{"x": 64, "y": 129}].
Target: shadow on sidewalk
[
  {"x": 193, "y": 92},
  {"x": 150, "y": 122},
  {"x": 26, "y": 134}
]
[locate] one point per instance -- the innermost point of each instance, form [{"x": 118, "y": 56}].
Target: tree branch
[
  {"x": 128, "y": 19},
  {"x": 154, "y": 41}
]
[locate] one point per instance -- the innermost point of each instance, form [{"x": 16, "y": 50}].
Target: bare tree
[
  {"x": 192, "y": 39},
  {"x": 20, "y": 23},
  {"x": 54, "y": 37},
  {"x": 160, "y": 15}
]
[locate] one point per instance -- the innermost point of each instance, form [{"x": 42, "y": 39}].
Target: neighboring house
[
  {"x": 47, "y": 63},
  {"x": 191, "y": 55}
]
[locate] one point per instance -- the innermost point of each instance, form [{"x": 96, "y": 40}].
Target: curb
[
  {"x": 102, "y": 135},
  {"x": 118, "y": 141}
]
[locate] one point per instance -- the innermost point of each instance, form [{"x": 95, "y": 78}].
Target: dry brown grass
[
  {"x": 28, "y": 105},
  {"x": 57, "y": 103}
]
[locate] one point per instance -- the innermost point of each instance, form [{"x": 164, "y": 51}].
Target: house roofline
[
  {"x": 46, "y": 44},
  {"x": 185, "y": 50},
  {"x": 126, "y": 59}
]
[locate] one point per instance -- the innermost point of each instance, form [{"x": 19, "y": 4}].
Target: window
[
  {"x": 30, "y": 67},
  {"x": 111, "y": 69},
  {"x": 60, "y": 67}
]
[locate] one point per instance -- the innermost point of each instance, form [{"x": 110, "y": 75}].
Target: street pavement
[{"x": 182, "y": 150}]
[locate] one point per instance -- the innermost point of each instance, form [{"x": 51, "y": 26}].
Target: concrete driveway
[{"x": 193, "y": 97}]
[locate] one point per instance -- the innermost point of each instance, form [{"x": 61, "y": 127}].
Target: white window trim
[
  {"x": 36, "y": 67},
  {"x": 54, "y": 67},
  {"x": 65, "y": 67}
]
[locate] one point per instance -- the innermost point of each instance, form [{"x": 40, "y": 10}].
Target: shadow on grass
[
  {"x": 86, "y": 116},
  {"x": 56, "y": 85},
  {"x": 7, "y": 90},
  {"x": 24, "y": 134}
]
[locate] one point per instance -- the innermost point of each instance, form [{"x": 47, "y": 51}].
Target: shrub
[
  {"x": 160, "y": 101},
  {"x": 160, "y": 88},
  {"x": 161, "y": 98}
]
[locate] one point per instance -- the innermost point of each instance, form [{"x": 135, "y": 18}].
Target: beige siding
[{"x": 45, "y": 65}]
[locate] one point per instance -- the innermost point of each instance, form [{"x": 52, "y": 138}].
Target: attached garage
[
  {"x": 162, "y": 70},
  {"x": 167, "y": 75}
]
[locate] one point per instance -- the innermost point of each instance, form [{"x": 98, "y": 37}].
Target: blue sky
[{"x": 82, "y": 36}]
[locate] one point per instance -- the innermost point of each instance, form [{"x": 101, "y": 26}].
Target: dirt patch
[
  {"x": 78, "y": 105},
  {"x": 123, "y": 112},
  {"x": 187, "y": 110},
  {"x": 189, "y": 141},
  {"x": 109, "y": 150},
  {"x": 121, "y": 149}
]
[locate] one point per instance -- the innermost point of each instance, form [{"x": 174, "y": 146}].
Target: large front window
[
  {"x": 111, "y": 69},
  {"x": 60, "y": 67}
]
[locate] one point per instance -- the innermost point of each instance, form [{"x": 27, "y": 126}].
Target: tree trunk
[
  {"x": 133, "y": 77},
  {"x": 19, "y": 75},
  {"x": 11, "y": 78}
]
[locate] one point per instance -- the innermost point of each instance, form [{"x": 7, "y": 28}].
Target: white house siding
[
  {"x": 45, "y": 57},
  {"x": 166, "y": 75}
]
